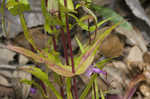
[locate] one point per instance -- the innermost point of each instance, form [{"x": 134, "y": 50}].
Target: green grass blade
[{"x": 96, "y": 88}]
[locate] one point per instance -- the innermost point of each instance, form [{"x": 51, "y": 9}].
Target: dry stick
[{"x": 71, "y": 54}]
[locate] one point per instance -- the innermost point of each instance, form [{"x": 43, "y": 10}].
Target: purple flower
[
  {"x": 57, "y": 27},
  {"x": 32, "y": 90},
  {"x": 93, "y": 69}
]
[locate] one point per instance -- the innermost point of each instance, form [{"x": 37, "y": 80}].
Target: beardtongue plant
[{"x": 56, "y": 15}]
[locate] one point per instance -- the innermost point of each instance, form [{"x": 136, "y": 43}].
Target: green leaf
[
  {"x": 90, "y": 12},
  {"x": 107, "y": 12},
  {"x": 80, "y": 45},
  {"x": 36, "y": 85},
  {"x": 101, "y": 63},
  {"x": 56, "y": 67},
  {"x": 57, "y": 79},
  {"x": 50, "y": 20},
  {"x": 92, "y": 28},
  {"x": 96, "y": 89},
  {"x": 18, "y": 7},
  {"x": 88, "y": 87},
  {"x": 27, "y": 35},
  {"x": 86, "y": 59},
  {"x": 69, "y": 4},
  {"x": 37, "y": 72},
  {"x": 43, "y": 8},
  {"x": 85, "y": 26},
  {"x": 102, "y": 94},
  {"x": 68, "y": 88}
]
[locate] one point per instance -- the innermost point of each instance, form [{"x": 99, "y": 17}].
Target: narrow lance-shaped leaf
[
  {"x": 80, "y": 45},
  {"x": 95, "y": 91},
  {"x": 101, "y": 63},
  {"x": 26, "y": 32},
  {"x": 87, "y": 58},
  {"x": 90, "y": 12},
  {"x": 85, "y": 26},
  {"x": 102, "y": 94},
  {"x": 37, "y": 72},
  {"x": 58, "y": 68}
]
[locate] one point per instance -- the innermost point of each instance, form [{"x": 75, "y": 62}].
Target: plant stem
[
  {"x": 95, "y": 30},
  {"x": 71, "y": 53},
  {"x": 69, "y": 43},
  {"x": 89, "y": 32},
  {"x": 94, "y": 89},
  {"x": 64, "y": 41},
  {"x": 26, "y": 32},
  {"x": 54, "y": 40},
  {"x": 55, "y": 48}
]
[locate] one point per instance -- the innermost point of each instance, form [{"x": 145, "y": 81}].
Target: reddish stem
[
  {"x": 54, "y": 42},
  {"x": 64, "y": 41},
  {"x": 43, "y": 86},
  {"x": 71, "y": 54},
  {"x": 69, "y": 43}
]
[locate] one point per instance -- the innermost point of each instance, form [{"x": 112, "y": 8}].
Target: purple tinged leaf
[
  {"x": 87, "y": 58},
  {"x": 58, "y": 68}
]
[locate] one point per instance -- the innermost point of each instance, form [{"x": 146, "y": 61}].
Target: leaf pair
[{"x": 81, "y": 63}]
